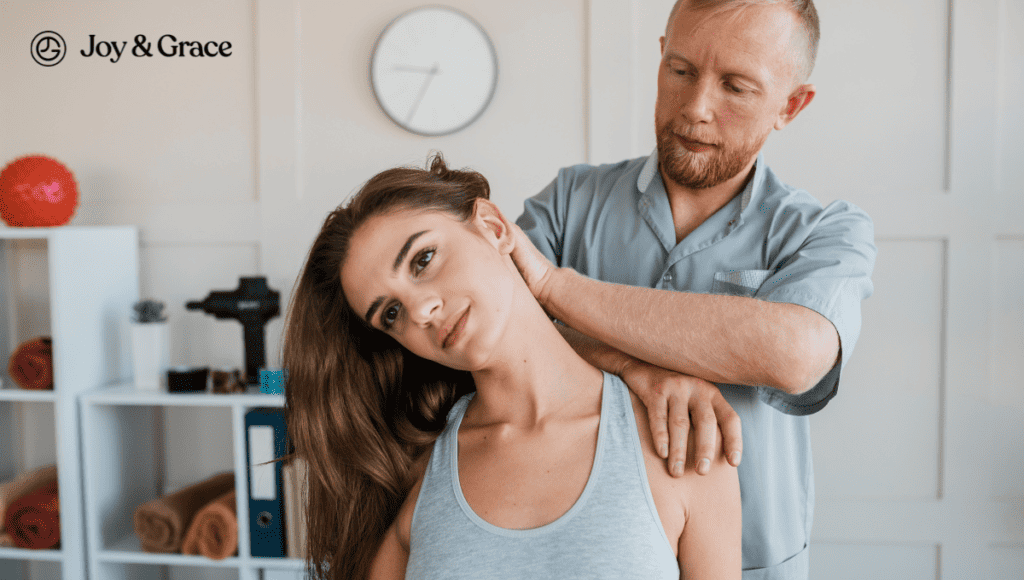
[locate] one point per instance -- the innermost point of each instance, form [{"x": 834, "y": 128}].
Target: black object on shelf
[
  {"x": 187, "y": 380},
  {"x": 253, "y": 304}
]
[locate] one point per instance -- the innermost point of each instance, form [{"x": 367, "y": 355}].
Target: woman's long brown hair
[{"x": 360, "y": 408}]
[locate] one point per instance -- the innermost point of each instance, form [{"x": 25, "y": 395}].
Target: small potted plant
[{"x": 151, "y": 349}]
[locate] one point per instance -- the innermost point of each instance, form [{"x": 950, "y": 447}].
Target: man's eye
[
  {"x": 735, "y": 89},
  {"x": 423, "y": 259}
]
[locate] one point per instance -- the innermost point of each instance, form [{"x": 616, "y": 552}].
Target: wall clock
[{"x": 433, "y": 70}]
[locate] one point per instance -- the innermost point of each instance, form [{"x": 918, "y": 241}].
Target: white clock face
[{"x": 433, "y": 70}]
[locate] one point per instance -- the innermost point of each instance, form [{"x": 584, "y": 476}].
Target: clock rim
[{"x": 490, "y": 46}]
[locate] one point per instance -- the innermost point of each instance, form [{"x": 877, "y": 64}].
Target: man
[{"x": 699, "y": 264}]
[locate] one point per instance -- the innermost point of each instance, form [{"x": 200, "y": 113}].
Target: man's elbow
[
  {"x": 801, "y": 380},
  {"x": 809, "y": 362}
]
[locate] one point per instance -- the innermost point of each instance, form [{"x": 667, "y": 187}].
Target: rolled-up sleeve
[{"x": 830, "y": 273}]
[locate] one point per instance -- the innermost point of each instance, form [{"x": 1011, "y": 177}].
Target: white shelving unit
[
  {"x": 121, "y": 474},
  {"x": 93, "y": 279}
]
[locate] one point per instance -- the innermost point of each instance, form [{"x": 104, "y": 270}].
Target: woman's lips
[{"x": 456, "y": 330}]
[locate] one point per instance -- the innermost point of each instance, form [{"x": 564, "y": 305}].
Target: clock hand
[
  {"x": 419, "y": 69},
  {"x": 423, "y": 90}
]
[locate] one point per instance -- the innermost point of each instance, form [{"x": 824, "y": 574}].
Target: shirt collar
[{"x": 753, "y": 187}]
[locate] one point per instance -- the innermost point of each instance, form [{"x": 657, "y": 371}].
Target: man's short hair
[{"x": 804, "y": 9}]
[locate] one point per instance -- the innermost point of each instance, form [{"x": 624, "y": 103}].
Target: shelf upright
[{"x": 93, "y": 282}]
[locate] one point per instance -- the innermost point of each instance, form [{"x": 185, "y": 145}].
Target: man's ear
[
  {"x": 493, "y": 225},
  {"x": 798, "y": 101}
]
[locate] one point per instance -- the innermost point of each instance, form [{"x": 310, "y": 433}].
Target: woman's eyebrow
[
  {"x": 394, "y": 268},
  {"x": 405, "y": 250}
]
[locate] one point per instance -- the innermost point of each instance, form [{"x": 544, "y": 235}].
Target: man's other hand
[
  {"x": 536, "y": 269},
  {"x": 673, "y": 402}
]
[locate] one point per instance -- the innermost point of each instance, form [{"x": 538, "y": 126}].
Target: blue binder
[{"x": 265, "y": 440}]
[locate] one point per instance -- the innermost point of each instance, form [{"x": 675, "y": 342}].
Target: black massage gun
[{"x": 252, "y": 304}]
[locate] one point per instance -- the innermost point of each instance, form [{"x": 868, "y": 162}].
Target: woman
[{"x": 408, "y": 301}]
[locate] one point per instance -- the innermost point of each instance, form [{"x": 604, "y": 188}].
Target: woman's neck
[{"x": 537, "y": 376}]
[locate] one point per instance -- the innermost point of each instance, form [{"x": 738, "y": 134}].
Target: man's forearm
[
  {"x": 723, "y": 339},
  {"x": 594, "y": 351}
]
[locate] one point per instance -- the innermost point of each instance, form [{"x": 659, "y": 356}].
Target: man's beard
[{"x": 707, "y": 168}]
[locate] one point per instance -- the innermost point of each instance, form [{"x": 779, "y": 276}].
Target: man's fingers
[
  {"x": 732, "y": 431},
  {"x": 657, "y": 414},
  {"x": 705, "y": 428},
  {"x": 678, "y": 430}
]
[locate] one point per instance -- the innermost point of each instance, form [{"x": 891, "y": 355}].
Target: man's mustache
[{"x": 692, "y": 134}]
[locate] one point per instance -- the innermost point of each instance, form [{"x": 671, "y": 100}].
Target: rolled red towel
[
  {"x": 34, "y": 520},
  {"x": 31, "y": 365}
]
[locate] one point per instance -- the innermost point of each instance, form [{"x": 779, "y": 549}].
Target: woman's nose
[{"x": 424, "y": 308}]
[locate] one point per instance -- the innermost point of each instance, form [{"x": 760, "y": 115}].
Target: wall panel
[
  {"x": 885, "y": 419},
  {"x": 859, "y": 562}
]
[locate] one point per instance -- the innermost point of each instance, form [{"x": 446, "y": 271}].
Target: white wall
[{"x": 229, "y": 166}]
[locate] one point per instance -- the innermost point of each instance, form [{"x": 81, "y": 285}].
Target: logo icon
[{"x": 48, "y": 48}]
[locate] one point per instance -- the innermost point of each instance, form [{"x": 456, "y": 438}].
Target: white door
[{"x": 919, "y": 120}]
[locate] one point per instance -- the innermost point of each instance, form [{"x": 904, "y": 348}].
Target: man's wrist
[{"x": 551, "y": 288}]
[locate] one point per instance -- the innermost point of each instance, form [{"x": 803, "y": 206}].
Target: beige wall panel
[
  {"x": 879, "y": 121},
  {"x": 1007, "y": 387},
  {"x": 197, "y": 444},
  {"x": 1006, "y": 563},
  {"x": 858, "y": 562},
  {"x": 142, "y": 129},
  {"x": 879, "y": 438},
  {"x": 1011, "y": 115}
]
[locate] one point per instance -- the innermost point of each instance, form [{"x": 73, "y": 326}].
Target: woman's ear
[{"x": 493, "y": 225}]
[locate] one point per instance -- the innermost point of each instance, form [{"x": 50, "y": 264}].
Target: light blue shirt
[{"x": 771, "y": 242}]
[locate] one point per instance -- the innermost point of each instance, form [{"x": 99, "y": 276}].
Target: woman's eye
[
  {"x": 389, "y": 316},
  {"x": 423, "y": 259}
]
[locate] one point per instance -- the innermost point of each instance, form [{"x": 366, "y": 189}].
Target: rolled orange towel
[
  {"x": 161, "y": 523},
  {"x": 31, "y": 365},
  {"x": 34, "y": 520},
  {"x": 22, "y": 485},
  {"x": 214, "y": 531}
]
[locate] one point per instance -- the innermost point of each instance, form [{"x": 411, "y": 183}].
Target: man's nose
[{"x": 698, "y": 103}]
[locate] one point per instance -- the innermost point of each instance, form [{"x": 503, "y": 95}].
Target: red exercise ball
[{"x": 37, "y": 191}]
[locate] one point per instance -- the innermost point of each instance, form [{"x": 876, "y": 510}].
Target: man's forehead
[{"x": 753, "y": 31}]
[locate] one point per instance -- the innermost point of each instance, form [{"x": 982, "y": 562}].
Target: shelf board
[
  {"x": 128, "y": 550},
  {"x": 127, "y": 394},
  {"x": 14, "y": 394},
  {"x": 15, "y": 233},
  {"x": 24, "y": 554},
  {"x": 278, "y": 563}
]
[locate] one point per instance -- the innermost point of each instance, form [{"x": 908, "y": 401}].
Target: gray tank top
[{"x": 612, "y": 531}]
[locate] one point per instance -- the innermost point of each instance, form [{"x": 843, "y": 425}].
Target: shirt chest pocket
[{"x": 739, "y": 282}]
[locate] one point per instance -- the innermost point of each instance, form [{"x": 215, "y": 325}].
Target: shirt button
[{"x": 667, "y": 277}]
